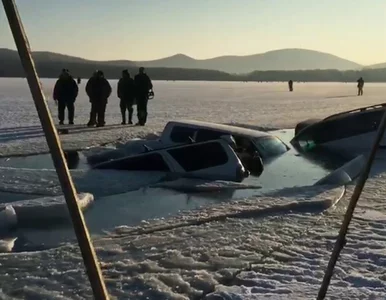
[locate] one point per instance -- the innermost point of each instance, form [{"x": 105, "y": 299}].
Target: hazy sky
[{"x": 150, "y": 29}]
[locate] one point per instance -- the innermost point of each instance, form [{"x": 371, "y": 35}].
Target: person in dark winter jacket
[
  {"x": 143, "y": 86},
  {"x": 126, "y": 92},
  {"x": 65, "y": 93},
  {"x": 360, "y": 85},
  {"x": 98, "y": 90},
  {"x": 291, "y": 85}
]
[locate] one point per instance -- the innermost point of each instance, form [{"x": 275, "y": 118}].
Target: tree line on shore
[{"x": 13, "y": 68}]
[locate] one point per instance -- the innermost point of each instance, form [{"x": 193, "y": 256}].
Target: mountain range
[
  {"x": 376, "y": 66},
  {"x": 280, "y": 65},
  {"x": 283, "y": 60}
]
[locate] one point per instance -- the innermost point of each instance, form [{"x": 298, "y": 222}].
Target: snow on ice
[{"x": 265, "y": 247}]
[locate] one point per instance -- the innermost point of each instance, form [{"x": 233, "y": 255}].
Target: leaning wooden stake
[
  {"x": 90, "y": 260},
  {"x": 350, "y": 211}
]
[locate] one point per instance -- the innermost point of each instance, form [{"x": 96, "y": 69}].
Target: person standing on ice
[
  {"x": 65, "y": 93},
  {"x": 98, "y": 89},
  {"x": 360, "y": 85},
  {"x": 143, "y": 86},
  {"x": 290, "y": 85},
  {"x": 126, "y": 94}
]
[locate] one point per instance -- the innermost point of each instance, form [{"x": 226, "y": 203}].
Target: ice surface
[
  {"x": 345, "y": 174},
  {"x": 97, "y": 182},
  {"x": 277, "y": 255},
  {"x": 187, "y": 185},
  {"x": 44, "y": 211},
  {"x": 7, "y": 244},
  {"x": 256, "y": 104},
  {"x": 282, "y": 254},
  {"x": 8, "y": 218}
]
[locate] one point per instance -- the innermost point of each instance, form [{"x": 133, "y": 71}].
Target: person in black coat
[
  {"x": 126, "y": 94},
  {"x": 98, "y": 90},
  {"x": 65, "y": 93},
  {"x": 143, "y": 86},
  {"x": 291, "y": 85},
  {"x": 360, "y": 85}
]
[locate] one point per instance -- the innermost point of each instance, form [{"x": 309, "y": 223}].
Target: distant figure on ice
[
  {"x": 65, "y": 93},
  {"x": 143, "y": 86},
  {"x": 79, "y": 80},
  {"x": 98, "y": 90},
  {"x": 360, "y": 85},
  {"x": 126, "y": 93},
  {"x": 290, "y": 85}
]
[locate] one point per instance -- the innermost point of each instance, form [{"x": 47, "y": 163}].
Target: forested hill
[{"x": 49, "y": 65}]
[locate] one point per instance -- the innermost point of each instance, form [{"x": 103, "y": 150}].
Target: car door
[{"x": 143, "y": 162}]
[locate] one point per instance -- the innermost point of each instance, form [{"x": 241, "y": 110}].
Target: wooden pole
[
  {"x": 340, "y": 242},
  {"x": 89, "y": 257}
]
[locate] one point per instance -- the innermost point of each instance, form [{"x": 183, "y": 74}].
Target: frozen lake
[
  {"x": 282, "y": 249},
  {"x": 265, "y": 105},
  {"x": 148, "y": 202}
]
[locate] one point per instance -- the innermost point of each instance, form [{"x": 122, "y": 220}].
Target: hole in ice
[
  {"x": 116, "y": 205},
  {"x": 74, "y": 159}
]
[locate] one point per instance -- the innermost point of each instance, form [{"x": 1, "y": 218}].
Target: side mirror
[
  {"x": 254, "y": 164},
  {"x": 257, "y": 165}
]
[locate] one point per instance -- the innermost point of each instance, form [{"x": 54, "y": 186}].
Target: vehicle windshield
[{"x": 270, "y": 146}]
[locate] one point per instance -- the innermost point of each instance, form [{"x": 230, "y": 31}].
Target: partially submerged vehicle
[
  {"x": 249, "y": 143},
  {"x": 214, "y": 160},
  {"x": 351, "y": 132}
]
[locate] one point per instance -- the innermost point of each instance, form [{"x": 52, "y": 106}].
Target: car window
[
  {"x": 180, "y": 134},
  {"x": 244, "y": 144},
  {"x": 200, "y": 156},
  {"x": 204, "y": 135},
  {"x": 149, "y": 162},
  {"x": 271, "y": 146}
]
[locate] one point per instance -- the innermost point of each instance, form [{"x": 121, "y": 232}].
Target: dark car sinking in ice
[
  {"x": 191, "y": 143},
  {"x": 349, "y": 133}
]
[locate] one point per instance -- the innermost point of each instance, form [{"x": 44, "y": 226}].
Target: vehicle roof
[
  {"x": 357, "y": 110},
  {"x": 222, "y": 127},
  {"x": 171, "y": 147}
]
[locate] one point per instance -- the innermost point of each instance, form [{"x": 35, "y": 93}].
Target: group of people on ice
[{"x": 130, "y": 91}]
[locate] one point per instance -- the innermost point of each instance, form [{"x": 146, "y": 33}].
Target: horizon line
[{"x": 198, "y": 59}]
